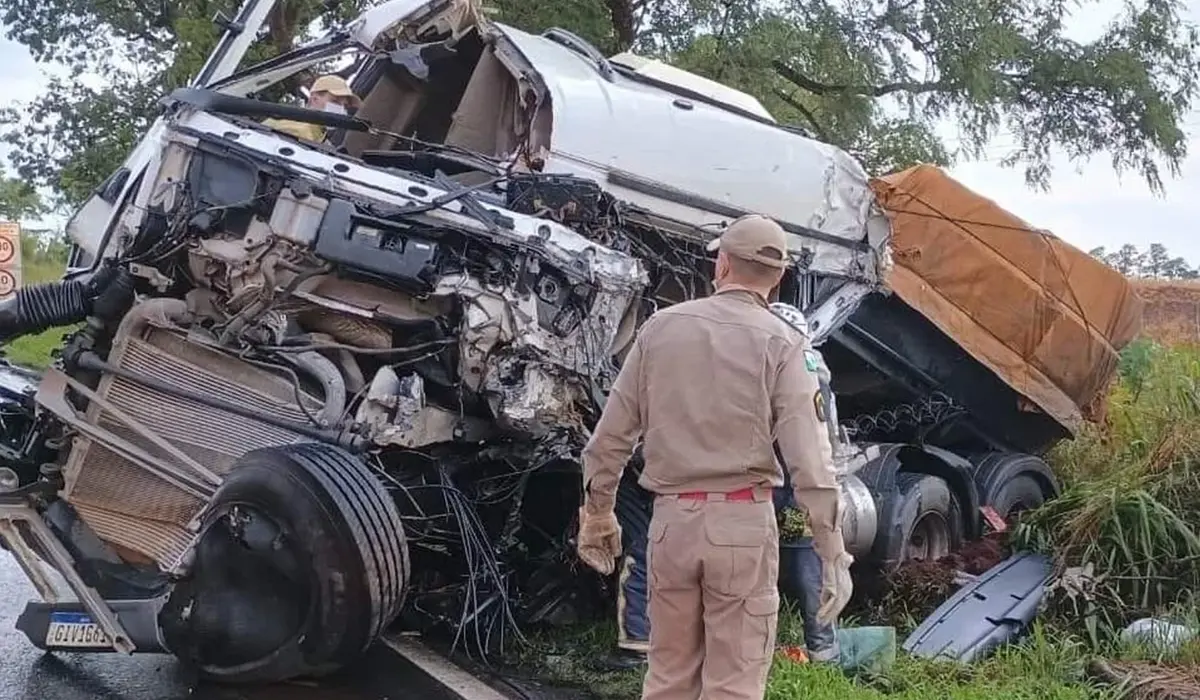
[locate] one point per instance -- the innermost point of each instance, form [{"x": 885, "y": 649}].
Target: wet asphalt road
[{"x": 27, "y": 673}]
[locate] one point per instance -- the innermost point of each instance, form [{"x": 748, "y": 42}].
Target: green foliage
[
  {"x": 793, "y": 525},
  {"x": 1048, "y": 666},
  {"x": 1154, "y": 263},
  {"x": 874, "y": 79},
  {"x": 43, "y": 259},
  {"x": 1129, "y": 516},
  {"x": 1136, "y": 362},
  {"x": 19, "y": 201},
  {"x": 72, "y": 136}
]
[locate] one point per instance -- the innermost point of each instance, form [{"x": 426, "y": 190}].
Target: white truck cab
[{"x": 684, "y": 153}]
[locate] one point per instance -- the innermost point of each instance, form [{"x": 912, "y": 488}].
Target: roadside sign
[{"x": 10, "y": 258}]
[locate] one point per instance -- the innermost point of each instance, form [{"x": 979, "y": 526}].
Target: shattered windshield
[{"x": 450, "y": 92}]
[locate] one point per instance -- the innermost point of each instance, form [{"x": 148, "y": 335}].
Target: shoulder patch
[{"x": 810, "y": 361}]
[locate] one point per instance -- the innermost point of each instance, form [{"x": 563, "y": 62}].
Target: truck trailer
[{"x": 310, "y": 392}]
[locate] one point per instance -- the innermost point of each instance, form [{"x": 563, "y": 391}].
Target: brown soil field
[{"x": 1172, "y": 311}]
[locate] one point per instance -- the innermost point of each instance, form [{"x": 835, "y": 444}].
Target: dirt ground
[
  {"x": 1172, "y": 311},
  {"x": 916, "y": 588}
]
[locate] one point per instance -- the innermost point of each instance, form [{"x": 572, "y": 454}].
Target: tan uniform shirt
[{"x": 711, "y": 384}]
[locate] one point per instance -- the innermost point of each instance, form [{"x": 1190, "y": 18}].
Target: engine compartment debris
[{"x": 438, "y": 297}]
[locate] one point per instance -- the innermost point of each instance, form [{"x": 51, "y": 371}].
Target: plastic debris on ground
[
  {"x": 990, "y": 611},
  {"x": 866, "y": 649},
  {"x": 795, "y": 654},
  {"x": 1162, "y": 635}
]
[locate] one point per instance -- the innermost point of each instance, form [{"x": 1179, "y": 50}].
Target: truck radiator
[{"x": 138, "y": 512}]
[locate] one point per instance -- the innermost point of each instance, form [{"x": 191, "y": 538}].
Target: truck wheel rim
[{"x": 930, "y": 538}]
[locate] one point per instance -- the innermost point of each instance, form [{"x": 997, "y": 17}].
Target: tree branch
[
  {"x": 156, "y": 18},
  {"x": 811, "y": 118},
  {"x": 623, "y": 22},
  {"x": 793, "y": 76}
]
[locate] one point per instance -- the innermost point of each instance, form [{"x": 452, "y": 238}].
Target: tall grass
[{"x": 1129, "y": 516}]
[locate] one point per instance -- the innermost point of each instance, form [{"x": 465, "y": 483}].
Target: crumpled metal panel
[
  {"x": 531, "y": 398},
  {"x": 625, "y": 127},
  {"x": 535, "y": 378}
]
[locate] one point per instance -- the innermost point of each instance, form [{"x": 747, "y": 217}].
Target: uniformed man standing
[{"x": 710, "y": 385}]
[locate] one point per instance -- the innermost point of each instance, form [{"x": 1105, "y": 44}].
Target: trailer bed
[{"x": 1045, "y": 317}]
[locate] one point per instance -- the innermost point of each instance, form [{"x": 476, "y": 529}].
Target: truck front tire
[{"x": 301, "y": 564}]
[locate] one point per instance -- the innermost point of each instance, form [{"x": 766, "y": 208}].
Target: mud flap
[{"x": 992, "y": 610}]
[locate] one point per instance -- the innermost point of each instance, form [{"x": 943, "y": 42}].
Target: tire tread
[{"x": 370, "y": 513}]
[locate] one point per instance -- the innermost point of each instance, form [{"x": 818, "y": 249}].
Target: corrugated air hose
[{"x": 42, "y": 306}]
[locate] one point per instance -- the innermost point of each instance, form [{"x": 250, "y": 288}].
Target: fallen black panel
[{"x": 986, "y": 613}]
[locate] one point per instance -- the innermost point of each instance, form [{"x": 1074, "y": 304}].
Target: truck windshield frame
[{"x": 275, "y": 70}]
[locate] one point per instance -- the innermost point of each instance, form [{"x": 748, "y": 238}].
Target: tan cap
[
  {"x": 754, "y": 237},
  {"x": 334, "y": 85}
]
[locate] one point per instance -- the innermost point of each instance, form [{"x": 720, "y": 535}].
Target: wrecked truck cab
[
  {"x": 330, "y": 385},
  {"x": 334, "y": 386}
]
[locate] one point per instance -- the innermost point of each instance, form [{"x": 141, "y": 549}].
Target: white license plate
[{"x": 75, "y": 630}]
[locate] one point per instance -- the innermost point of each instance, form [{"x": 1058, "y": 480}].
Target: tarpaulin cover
[{"x": 1046, "y": 317}]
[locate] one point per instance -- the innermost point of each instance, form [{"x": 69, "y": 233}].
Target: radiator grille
[{"x": 131, "y": 507}]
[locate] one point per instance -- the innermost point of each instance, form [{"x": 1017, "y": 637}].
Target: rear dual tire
[
  {"x": 921, "y": 520},
  {"x": 301, "y": 564},
  {"x": 1012, "y": 483}
]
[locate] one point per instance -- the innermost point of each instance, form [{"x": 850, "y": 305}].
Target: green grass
[
  {"x": 1047, "y": 666},
  {"x": 1130, "y": 511},
  {"x": 35, "y": 350}
]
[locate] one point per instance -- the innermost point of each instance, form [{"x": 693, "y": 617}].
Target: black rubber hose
[
  {"x": 107, "y": 293},
  {"x": 34, "y": 309}
]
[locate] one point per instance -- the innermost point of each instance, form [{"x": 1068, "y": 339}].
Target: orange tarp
[{"x": 1045, "y": 316}]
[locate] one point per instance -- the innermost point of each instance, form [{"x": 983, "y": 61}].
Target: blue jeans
[
  {"x": 821, "y": 640},
  {"x": 633, "y": 509}
]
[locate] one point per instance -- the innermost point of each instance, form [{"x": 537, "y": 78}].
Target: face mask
[{"x": 335, "y": 108}]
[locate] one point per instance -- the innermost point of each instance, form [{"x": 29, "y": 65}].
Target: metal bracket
[{"x": 13, "y": 513}]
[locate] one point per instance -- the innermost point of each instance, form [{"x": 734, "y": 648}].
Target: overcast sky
[{"x": 1087, "y": 205}]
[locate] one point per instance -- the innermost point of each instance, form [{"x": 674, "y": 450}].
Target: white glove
[
  {"x": 836, "y": 587},
  {"x": 599, "y": 541}
]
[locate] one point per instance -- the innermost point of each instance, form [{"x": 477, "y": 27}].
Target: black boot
[{"x": 622, "y": 660}]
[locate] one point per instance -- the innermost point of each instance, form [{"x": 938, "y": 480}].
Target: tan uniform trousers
[{"x": 714, "y": 599}]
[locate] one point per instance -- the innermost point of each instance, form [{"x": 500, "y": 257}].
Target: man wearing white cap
[{"x": 329, "y": 93}]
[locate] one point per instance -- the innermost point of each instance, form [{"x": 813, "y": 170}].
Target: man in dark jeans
[
  {"x": 633, "y": 509},
  {"x": 819, "y": 639}
]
